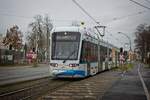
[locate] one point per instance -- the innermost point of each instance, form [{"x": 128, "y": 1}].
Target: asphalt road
[
  {"x": 146, "y": 77},
  {"x": 16, "y": 74},
  {"x": 129, "y": 87}
]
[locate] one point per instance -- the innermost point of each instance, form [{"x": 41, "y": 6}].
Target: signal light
[
  {"x": 33, "y": 49},
  {"x": 121, "y": 50},
  {"x": 82, "y": 23}
]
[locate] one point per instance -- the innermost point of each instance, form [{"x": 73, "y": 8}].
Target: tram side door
[
  {"x": 87, "y": 55},
  {"x": 88, "y": 68}
]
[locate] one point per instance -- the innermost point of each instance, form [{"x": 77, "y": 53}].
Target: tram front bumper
[{"x": 68, "y": 73}]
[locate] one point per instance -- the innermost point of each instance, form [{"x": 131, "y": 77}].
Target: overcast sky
[{"x": 62, "y": 12}]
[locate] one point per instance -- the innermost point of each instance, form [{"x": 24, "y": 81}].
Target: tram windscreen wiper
[{"x": 70, "y": 55}]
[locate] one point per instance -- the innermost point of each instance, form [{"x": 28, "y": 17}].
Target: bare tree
[
  {"x": 48, "y": 26},
  {"x": 142, "y": 40},
  {"x": 38, "y": 36},
  {"x": 13, "y": 38},
  {"x": 37, "y": 33}
]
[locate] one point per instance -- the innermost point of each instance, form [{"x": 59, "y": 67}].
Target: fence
[{"x": 8, "y": 57}]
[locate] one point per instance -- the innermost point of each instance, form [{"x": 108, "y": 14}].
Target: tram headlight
[
  {"x": 54, "y": 64},
  {"x": 73, "y": 65}
]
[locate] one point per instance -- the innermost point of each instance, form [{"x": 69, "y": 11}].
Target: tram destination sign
[
  {"x": 71, "y": 36},
  {"x": 66, "y": 37}
]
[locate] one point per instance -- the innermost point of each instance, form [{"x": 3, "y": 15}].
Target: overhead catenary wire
[
  {"x": 85, "y": 11},
  {"x": 112, "y": 36},
  {"x": 24, "y": 17},
  {"x": 27, "y": 17},
  {"x": 126, "y": 16},
  {"x": 147, "y": 1},
  {"x": 96, "y": 27},
  {"x": 137, "y": 3},
  {"x": 123, "y": 17},
  {"x": 68, "y": 20},
  {"x": 114, "y": 19}
]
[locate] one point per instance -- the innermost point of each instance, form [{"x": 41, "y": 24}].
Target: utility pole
[
  {"x": 129, "y": 43},
  {"x": 99, "y": 35},
  {"x": 128, "y": 39},
  {"x": 49, "y": 27},
  {"x": 48, "y": 43},
  {"x": 107, "y": 54}
]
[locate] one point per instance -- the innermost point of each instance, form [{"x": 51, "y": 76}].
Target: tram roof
[
  {"x": 80, "y": 29},
  {"x": 68, "y": 28}
]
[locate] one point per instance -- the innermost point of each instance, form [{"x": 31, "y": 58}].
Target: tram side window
[
  {"x": 92, "y": 52},
  {"x": 110, "y": 55},
  {"x": 95, "y": 58},
  {"x": 88, "y": 52},
  {"x": 103, "y": 53},
  {"x": 83, "y": 52},
  {"x": 88, "y": 49}
]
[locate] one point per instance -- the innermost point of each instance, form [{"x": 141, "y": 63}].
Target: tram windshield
[{"x": 65, "y": 45}]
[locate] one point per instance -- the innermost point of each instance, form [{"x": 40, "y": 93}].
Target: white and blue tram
[{"x": 74, "y": 53}]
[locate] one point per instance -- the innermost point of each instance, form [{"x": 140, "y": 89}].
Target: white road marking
[{"x": 144, "y": 86}]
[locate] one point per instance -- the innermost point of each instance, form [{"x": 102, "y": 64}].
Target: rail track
[
  {"x": 92, "y": 88},
  {"x": 35, "y": 90}
]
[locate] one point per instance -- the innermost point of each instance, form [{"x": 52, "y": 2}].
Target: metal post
[
  {"x": 98, "y": 36},
  {"x": 98, "y": 54},
  {"x": 107, "y": 55},
  {"x": 48, "y": 44},
  {"x": 50, "y": 47},
  {"x": 129, "y": 41}
]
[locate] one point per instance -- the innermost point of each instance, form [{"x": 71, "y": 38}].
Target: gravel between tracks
[{"x": 92, "y": 88}]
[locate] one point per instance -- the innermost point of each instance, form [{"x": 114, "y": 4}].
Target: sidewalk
[
  {"x": 146, "y": 77},
  {"x": 129, "y": 87}
]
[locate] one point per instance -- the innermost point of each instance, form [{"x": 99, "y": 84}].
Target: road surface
[{"x": 16, "y": 74}]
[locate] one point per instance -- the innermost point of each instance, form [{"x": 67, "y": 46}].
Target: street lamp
[
  {"x": 125, "y": 45},
  {"x": 127, "y": 37}
]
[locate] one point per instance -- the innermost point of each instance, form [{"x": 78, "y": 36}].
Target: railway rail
[
  {"x": 65, "y": 89},
  {"x": 92, "y": 88},
  {"x": 35, "y": 90}
]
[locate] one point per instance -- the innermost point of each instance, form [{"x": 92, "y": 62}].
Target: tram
[{"x": 75, "y": 53}]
